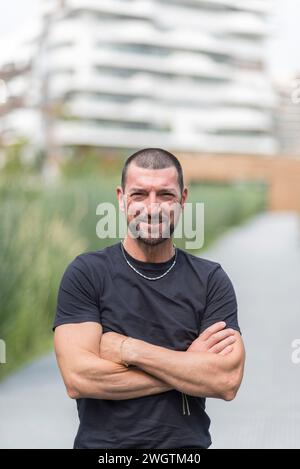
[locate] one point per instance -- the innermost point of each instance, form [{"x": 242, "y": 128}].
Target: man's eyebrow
[
  {"x": 142, "y": 189},
  {"x": 166, "y": 189}
]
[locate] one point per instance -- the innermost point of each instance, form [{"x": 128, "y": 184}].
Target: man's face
[{"x": 152, "y": 202}]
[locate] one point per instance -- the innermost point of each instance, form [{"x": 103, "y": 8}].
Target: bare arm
[
  {"x": 197, "y": 373},
  {"x": 85, "y": 374},
  {"x": 212, "y": 366}
]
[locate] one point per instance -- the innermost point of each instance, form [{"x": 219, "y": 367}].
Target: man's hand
[
  {"x": 205, "y": 372},
  {"x": 215, "y": 339},
  {"x": 110, "y": 346}
]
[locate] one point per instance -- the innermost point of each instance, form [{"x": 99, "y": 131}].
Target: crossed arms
[{"x": 92, "y": 364}]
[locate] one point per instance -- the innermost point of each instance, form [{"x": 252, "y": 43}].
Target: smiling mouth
[{"x": 152, "y": 224}]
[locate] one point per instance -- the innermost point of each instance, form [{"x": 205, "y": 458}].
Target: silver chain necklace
[{"x": 145, "y": 276}]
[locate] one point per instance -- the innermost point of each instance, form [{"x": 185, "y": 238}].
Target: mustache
[{"x": 152, "y": 219}]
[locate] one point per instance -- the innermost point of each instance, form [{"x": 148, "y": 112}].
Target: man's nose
[
  {"x": 152, "y": 199},
  {"x": 154, "y": 209}
]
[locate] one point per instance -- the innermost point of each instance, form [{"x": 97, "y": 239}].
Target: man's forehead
[{"x": 141, "y": 177}]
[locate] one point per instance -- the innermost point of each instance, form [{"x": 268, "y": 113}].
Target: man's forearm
[
  {"x": 102, "y": 379},
  {"x": 195, "y": 373}
]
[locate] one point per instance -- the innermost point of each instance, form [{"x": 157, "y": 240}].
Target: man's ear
[
  {"x": 121, "y": 199},
  {"x": 184, "y": 196}
]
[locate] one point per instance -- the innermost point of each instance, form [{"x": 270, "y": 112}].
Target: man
[{"x": 145, "y": 331}]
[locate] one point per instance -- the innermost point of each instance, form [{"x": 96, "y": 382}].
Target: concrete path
[
  {"x": 35, "y": 411},
  {"x": 263, "y": 260}
]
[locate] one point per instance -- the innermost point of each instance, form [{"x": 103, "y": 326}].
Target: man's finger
[
  {"x": 218, "y": 326},
  {"x": 220, "y": 346},
  {"x": 218, "y": 336},
  {"x": 227, "y": 350}
]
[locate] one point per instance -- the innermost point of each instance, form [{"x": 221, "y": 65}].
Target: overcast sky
[{"x": 282, "y": 51}]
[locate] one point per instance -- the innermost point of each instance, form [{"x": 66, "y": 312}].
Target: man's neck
[{"x": 149, "y": 253}]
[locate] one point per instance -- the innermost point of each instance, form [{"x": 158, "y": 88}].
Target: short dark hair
[{"x": 153, "y": 158}]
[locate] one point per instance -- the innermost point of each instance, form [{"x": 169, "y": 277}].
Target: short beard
[
  {"x": 156, "y": 241},
  {"x": 151, "y": 241}
]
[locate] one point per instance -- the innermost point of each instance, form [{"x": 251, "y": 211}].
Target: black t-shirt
[{"x": 170, "y": 312}]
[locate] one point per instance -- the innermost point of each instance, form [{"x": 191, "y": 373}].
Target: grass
[{"x": 43, "y": 228}]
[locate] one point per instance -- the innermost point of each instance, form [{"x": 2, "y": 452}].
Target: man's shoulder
[
  {"x": 200, "y": 263},
  {"x": 97, "y": 258}
]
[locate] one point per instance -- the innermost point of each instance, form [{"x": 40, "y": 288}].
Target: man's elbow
[
  {"x": 73, "y": 387},
  {"x": 73, "y": 393},
  {"x": 231, "y": 385},
  {"x": 229, "y": 394}
]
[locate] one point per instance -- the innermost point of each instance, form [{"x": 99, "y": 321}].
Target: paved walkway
[
  {"x": 35, "y": 411},
  {"x": 263, "y": 259}
]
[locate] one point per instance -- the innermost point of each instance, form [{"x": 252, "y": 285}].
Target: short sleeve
[
  {"x": 77, "y": 299},
  {"x": 221, "y": 303}
]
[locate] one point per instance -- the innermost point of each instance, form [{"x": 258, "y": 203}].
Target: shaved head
[{"x": 153, "y": 158}]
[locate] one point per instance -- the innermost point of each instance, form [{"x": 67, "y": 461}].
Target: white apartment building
[
  {"x": 185, "y": 75},
  {"x": 287, "y": 115},
  {"x": 20, "y": 118}
]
